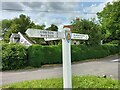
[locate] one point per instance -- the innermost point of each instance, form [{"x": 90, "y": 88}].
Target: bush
[
  {"x": 40, "y": 55},
  {"x": 86, "y": 52},
  {"x": 52, "y": 54},
  {"x": 113, "y": 42},
  {"x": 113, "y": 48},
  {"x": 14, "y": 56},
  {"x": 0, "y": 56}
]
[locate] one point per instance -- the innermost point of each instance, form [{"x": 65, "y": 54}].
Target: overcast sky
[{"x": 58, "y": 13}]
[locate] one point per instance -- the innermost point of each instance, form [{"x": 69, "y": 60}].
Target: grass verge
[{"x": 78, "y": 82}]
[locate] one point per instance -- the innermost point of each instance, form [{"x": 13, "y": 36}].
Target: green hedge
[
  {"x": 14, "y": 56},
  {"x": 86, "y": 52},
  {"x": 39, "y": 55},
  {"x": 0, "y": 56}
]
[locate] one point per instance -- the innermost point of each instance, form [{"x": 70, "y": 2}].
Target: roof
[
  {"x": 15, "y": 35},
  {"x": 67, "y": 26},
  {"x": 28, "y": 39}
]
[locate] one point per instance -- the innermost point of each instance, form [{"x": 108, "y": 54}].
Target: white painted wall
[{"x": 23, "y": 40}]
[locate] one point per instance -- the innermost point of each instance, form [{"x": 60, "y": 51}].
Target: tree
[
  {"x": 5, "y": 25},
  {"x": 20, "y": 24},
  {"x": 109, "y": 19},
  {"x": 38, "y": 26},
  {"x": 15, "y": 25},
  {"x": 89, "y": 27},
  {"x": 52, "y": 28}
]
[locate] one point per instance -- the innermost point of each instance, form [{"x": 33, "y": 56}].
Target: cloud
[
  {"x": 32, "y": 5},
  {"x": 11, "y": 5},
  {"x": 58, "y": 13},
  {"x": 38, "y": 5},
  {"x": 98, "y": 8}
]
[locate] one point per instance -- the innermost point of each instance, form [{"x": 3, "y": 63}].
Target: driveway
[{"x": 104, "y": 66}]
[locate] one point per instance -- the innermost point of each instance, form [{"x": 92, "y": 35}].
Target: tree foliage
[
  {"x": 20, "y": 24},
  {"x": 53, "y": 27},
  {"x": 109, "y": 19},
  {"x": 89, "y": 27},
  {"x": 5, "y": 25}
]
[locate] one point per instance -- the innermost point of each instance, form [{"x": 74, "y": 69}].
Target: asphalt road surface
[{"x": 104, "y": 66}]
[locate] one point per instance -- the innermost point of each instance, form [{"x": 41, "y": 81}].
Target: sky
[{"x": 54, "y": 12}]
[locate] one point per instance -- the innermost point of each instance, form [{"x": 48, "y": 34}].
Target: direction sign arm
[
  {"x": 50, "y": 39},
  {"x": 79, "y": 36},
  {"x": 36, "y": 33}
]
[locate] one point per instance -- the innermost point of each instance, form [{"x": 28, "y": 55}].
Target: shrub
[
  {"x": 0, "y": 56},
  {"x": 14, "y": 56},
  {"x": 114, "y": 42},
  {"x": 86, "y": 52},
  {"x": 39, "y": 55},
  {"x": 113, "y": 48},
  {"x": 35, "y": 55},
  {"x": 52, "y": 54}
]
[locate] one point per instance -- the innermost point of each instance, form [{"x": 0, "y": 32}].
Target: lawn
[{"x": 78, "y": 82}]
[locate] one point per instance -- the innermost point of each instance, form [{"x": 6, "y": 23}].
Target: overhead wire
[{"x": 50, "y": 11}]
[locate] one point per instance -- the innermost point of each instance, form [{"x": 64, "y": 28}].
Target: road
[{"x": 104, "y": 66}]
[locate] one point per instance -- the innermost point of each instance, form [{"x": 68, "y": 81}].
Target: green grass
[{"x": 78, "y": 82}]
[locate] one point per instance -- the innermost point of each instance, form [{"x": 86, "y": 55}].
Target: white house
[{"x": 20, "y": 38}]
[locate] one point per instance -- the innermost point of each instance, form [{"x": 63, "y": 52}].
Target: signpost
[
  {"x": 79, "y": 36},
  {"x": 66, "y": 53},
  {"x": 66, "y": 37},
  {"x": 36, "y": 33}
]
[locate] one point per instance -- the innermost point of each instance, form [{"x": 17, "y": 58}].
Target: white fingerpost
[
  {"x": 66, "y": 37},
  {"x": 66, "y": 51}
]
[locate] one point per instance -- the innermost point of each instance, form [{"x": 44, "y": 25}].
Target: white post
[
  {"x": 66, "y": 51},
  {"x": 66, "y": 36}
]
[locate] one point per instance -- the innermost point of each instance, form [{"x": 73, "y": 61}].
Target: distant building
[
  {"x": 20, "y": 38},
  {"x": 1, "y": 35},
  {"x": 14, "y": 38},
  {"x": 68, "y": 26},
  {"x": 1, "y": 38}
]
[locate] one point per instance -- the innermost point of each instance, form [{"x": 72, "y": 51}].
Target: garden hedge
[
  {"x": 14, "y": 56},
  {"x": 40, "y": 55}
]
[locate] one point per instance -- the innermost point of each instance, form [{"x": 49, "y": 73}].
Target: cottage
[{"x": 20, "y": 38}]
